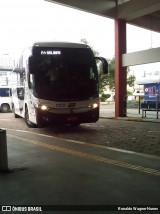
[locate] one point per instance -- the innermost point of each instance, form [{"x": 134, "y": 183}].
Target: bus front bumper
[{"x": 67, "y": 118}]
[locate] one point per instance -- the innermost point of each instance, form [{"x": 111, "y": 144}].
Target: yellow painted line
[
  {"x": 87, "y": 144},
  {"x": 90, "y": 156}
]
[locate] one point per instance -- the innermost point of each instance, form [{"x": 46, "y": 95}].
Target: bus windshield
[{"x": 64, "y": 74}]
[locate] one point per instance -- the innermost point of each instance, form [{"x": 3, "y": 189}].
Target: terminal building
[{"x": 6, "y": 66}]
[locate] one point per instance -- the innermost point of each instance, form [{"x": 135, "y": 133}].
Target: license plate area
[{"x": 72, "y": 118}]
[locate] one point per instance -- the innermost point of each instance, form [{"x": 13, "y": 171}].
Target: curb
[{"x": 136, "y": 119}]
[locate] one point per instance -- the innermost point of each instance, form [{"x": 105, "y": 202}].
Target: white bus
[
  {"x": 5, "y": 99},
  {"x": 57, "y": 83}
]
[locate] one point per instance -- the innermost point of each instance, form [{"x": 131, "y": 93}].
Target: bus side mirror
[
  {"x": 31, "y": 65},
  {"x": 103, "y": 63}
]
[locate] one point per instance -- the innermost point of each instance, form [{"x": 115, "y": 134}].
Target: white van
[{"x": 5, "y": 99}]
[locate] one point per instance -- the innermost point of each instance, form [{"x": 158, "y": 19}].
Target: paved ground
[
  {"x": 48, "y": 169},
  {"x": 138, "y": 136}
]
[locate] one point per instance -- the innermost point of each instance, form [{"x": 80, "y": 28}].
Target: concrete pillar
[
  {"x": 120, "y": 72},
  {"x": 3, "y": 151}
]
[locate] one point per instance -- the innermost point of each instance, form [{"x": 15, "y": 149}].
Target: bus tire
[
  {"x": 28, "y": 122},
  {"x": 5, "y": 108}
]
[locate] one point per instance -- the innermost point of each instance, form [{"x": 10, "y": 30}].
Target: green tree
[
  {"x": 131, "y": 80},
  {"x": 109, "y": 79}
]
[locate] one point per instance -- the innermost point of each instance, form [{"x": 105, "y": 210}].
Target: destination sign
[{"x": 49, "y": 52}]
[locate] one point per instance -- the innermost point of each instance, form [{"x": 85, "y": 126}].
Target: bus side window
[
  {"x": 10, "y": 92},
  {"x": 30, "y": 81},
  {"x": 92, "y": 74},
  {"x": 20, "y": 93},
  {"x": 5, "y": 92}
]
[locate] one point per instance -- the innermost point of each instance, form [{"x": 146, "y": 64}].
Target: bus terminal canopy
[{"x": 142, "y": 13}]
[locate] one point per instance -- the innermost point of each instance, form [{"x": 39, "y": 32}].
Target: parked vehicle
[{"x": 5, "y": 99}]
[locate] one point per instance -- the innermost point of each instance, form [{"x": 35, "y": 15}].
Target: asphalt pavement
[
  {"x": 111, "y": 162},
  {"x": 48, "y": 170}
]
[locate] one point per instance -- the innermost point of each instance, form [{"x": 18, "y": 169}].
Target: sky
[
  {"x": 34, "y": 20},
  {"x": 23, "y": 22}
]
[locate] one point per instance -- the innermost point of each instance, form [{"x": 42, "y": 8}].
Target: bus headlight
[
  {"x": 43, "y": 107},
  {"x": 95, "y": 105}
]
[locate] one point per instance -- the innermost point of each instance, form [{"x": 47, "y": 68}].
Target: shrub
[{"x": 104, "y": 97}]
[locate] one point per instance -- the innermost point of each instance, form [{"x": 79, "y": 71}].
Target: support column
[
  {"x": 120, "y": 72},
  {"x": 3, "y": 152}
]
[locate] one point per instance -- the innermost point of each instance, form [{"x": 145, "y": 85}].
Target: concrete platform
[{"x": 111, "y": 162}]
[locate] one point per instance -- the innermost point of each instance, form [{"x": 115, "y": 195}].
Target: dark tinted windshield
[{"x": 65, "y": 74}]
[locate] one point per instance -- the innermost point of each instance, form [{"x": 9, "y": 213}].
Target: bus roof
[{"x": 60, "y": 44}]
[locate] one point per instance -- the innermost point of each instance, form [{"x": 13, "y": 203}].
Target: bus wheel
[
  {"x": 28, "y": 122},
  {"x": 5, "y": 108}
]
